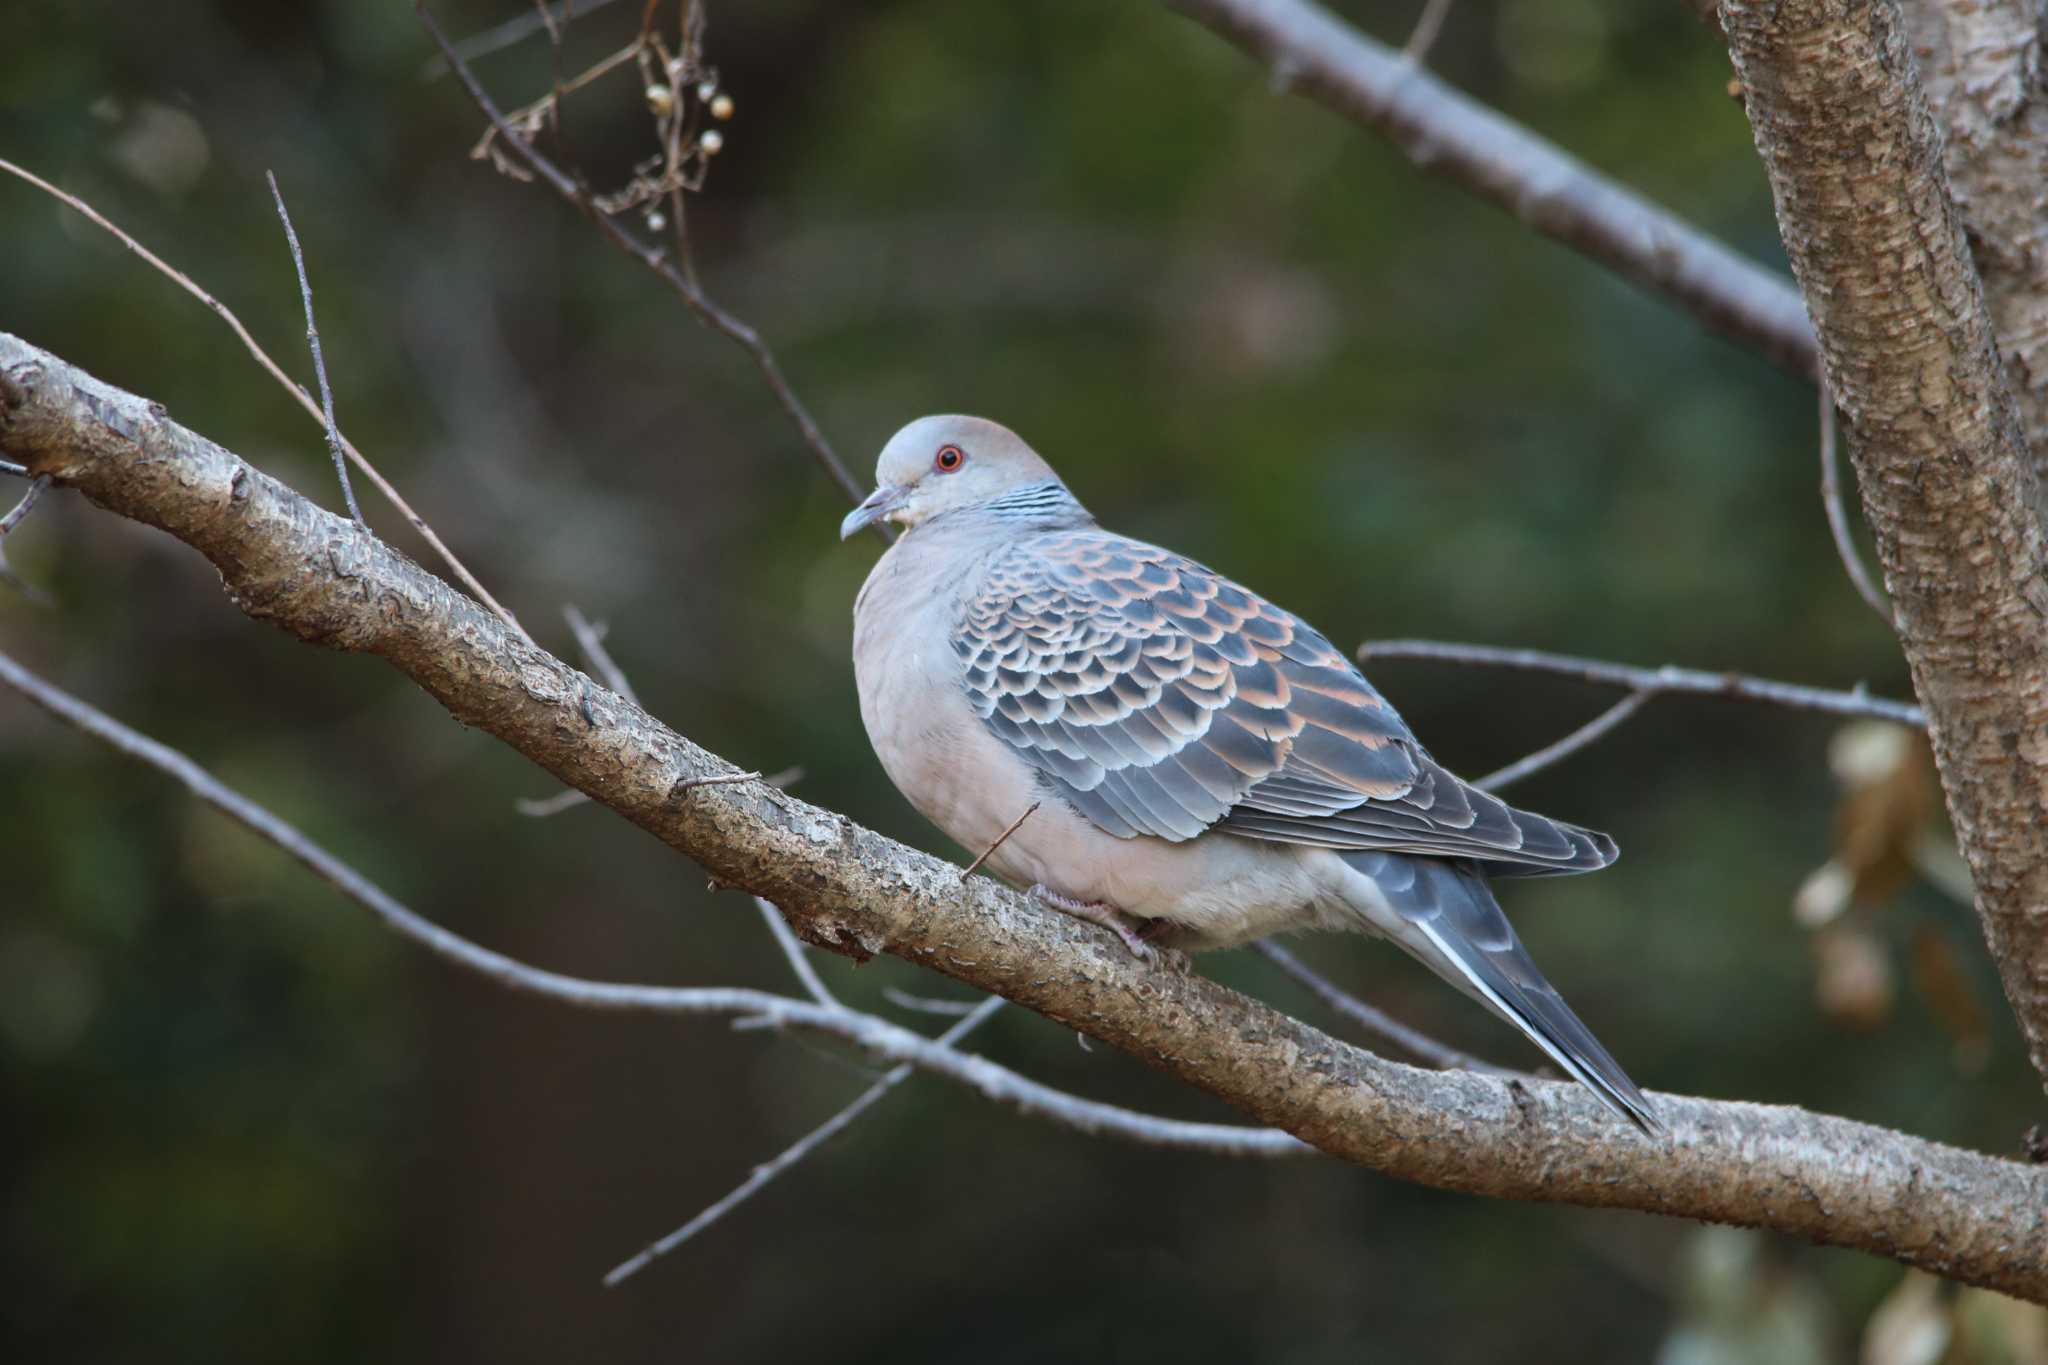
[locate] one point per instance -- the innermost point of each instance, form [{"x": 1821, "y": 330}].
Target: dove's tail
[{"x": 1444, "y": 913}]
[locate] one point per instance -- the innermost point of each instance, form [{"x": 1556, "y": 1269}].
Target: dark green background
[{"x": 243, "y": 1122}]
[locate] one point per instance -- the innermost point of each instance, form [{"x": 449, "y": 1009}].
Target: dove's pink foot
[{"x": 1131, "y": 930}]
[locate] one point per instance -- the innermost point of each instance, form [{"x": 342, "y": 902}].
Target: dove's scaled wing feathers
[{"x": 1160, "y": 698}]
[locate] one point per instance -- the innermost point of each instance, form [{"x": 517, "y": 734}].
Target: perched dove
[{"x": 1208, "y": 768}]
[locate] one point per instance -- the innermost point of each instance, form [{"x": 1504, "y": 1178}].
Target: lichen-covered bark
[
  {"x": 1855, "y": 162},
  {"x": 1970, "y": 1217},
  {"x": 1980, "y": 61}
]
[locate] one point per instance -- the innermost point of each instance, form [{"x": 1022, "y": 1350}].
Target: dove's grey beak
[{"x": 877, "y": 507}]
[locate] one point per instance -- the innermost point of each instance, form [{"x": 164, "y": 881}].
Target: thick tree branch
[
  {"x": 282, "y": 559},
  {"x": 1855, "y": 161},
  {"x": 1981, "y": 62},
  {"x": 1440, "y": 130}
]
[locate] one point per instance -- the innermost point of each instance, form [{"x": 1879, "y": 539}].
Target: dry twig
[
  {"x": 796, "y": 1152},
  {"x": 276, "y": 372},
  {"x": 1424, "y": 35},
  {"x": 13, "y": 519},
  {"x": 348, "y": 493},
  {"x": 684, "y": 285},
  {"x": 1377, "y": 1022},
  {"x": 793, "y": 949},
  {"x": 1015, "y": 825},
  {"x": 1669, "y": 678},
  {"x": 510, "y": 33},
  {"x": 1838, "y": 515},
  {"x": 1590, "y": 733}
]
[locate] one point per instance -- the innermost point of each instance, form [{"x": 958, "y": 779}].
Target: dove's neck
[{"x": 1046, "y": 506}]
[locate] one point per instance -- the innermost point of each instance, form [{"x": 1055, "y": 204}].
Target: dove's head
[{"x": 944, "y": 464}]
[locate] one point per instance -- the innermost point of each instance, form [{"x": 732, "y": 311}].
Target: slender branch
[
  {"x": 1588, "y": 734},
  {"x": 1423, "y": 37},
  {"x": 1856, "y": 165},
  {"x": 1838, "y": 516},
  {"x": 1377, "y": 1022},
  {"x": 541, "y": 807},
  {"x": 1447, "y": 133},
  {"x": 1669, "y": 678},
  {"x": 867, "y": 1032},
  {"x": 28, "y": 502},
  {"x": 797, "y": 1151},
  {"x": 1967, "y": 1216},
  {"x": 1001, "y": 839},
  {"x": 348, "y": 492},
  {"x": 793, "y": 949},
  {"x": 276, "y": 372},
  {"x": 508, "y": 34},
  {"x": 19, "y": 471},
  {"x": 13, "y": 519},
  {"x": 657, "y": 261},
  {"x": 925, "y": 1004},
  {"x": 590, "y": 639}
]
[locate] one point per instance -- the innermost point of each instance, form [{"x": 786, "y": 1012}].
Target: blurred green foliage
[{"x": 243, "y": 1123}]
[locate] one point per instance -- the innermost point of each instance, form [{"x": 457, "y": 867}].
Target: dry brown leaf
[
  {"x": 1888, "y": 797},
  {"x": 1852, "y": 975}
]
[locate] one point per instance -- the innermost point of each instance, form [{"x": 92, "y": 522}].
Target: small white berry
[
  {"x": 655, "y": 221},
  {"x": 711, "y": 141},
  {"x": 660, "y": 99},
  {"x": 721, "y": 106},
  {"x": 706, "y": 89}
]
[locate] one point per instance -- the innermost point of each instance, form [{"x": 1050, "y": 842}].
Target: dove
[{"x": 1206, "y": 768}]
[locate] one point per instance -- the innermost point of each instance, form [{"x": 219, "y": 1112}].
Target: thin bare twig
[
  {"x": 1669, "y": 678},
  {"x": 799, "y": 961},
  {"x": 541, "y": 807},
  {"x": 1382, "y": 1025},
  {"x": 797, "y": 1151},
  {"x": 926, "y": 1004},
  {"x": 508, "y": 34},
  {"x": 276, "y": 371},
  {"x": 7, "y": 523},
  {"x": 590, "y": 638},
  {"x": 27, "y": 504},
  {"x": 657, "y": 261},
  {"x": 1589, "y": 733},
  {"x": 348, "y": 492},
  {"x": 971, "y": 868},
  {"x": 1838, "y": 515},
  {"x": 888, "y": 1041},
  {"x": 1423, "y": 37}
]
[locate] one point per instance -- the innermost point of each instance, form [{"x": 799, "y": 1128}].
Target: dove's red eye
[{"x": 949, "y": 459}]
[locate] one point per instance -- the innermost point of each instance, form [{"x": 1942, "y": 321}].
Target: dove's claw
[{"x": 1133, "y": 932}]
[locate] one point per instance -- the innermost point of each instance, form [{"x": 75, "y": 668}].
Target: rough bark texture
[
  {"x": 1981, "y": 63},
  {"x": 1974, "y": 1218},
  {"x": 1449, "y": 134},
  {"x": 1855, "y": 161}
]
